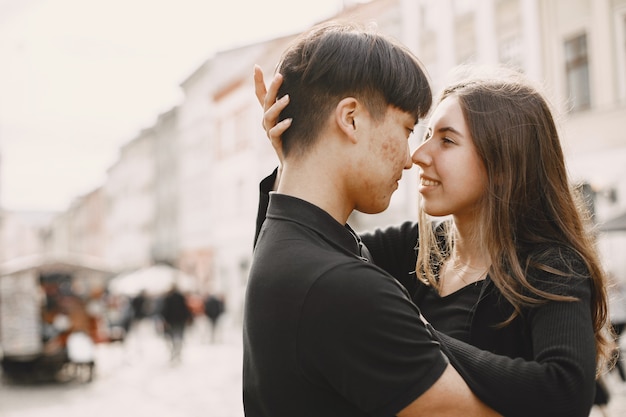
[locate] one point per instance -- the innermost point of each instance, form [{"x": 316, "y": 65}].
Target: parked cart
[{"x": 47, "y": 328}]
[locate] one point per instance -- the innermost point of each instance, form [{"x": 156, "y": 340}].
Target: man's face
[{"x": 386, "y": 155}]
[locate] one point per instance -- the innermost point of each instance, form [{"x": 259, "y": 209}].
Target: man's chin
[{"x": 374, "y": 208}]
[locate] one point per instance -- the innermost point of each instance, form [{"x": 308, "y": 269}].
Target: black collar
[{"x": 285, "y": 207}]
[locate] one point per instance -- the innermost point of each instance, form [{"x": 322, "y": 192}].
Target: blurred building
[
  {"x": 196, "y": 131},
  {"x": 165, "y": 244},
  {"x": 130, "y": 197},
  {"x": 80, "y": 230},
  {"x": 584, "y": 55},
  {"x": 24, "y": 233},
  {"x": 221, "y": 154},
  {"x": 575, "y": 49}
]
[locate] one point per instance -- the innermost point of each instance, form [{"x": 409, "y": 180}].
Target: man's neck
[{"x": 317, "y": 186}]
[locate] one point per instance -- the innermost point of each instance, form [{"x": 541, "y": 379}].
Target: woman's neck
[{"x": 469, "y": 249}]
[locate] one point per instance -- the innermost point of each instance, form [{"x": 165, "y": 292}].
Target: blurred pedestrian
[
  {"x": 139, "y": 304},
  {"x": 176, "y": 315},
  {"x": 214, "y": 308},
  {"x": 617, "y": 312},
  {"x": 119, "y": 314}
]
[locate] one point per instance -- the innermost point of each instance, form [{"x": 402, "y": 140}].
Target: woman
[{"x": 510, "y": 279}]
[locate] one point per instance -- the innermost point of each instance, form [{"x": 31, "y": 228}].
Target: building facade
[
  {"x": 576, "y": 50},
  {"x": 130, "y": 195},
  {"x": 166, "y": 189},
  {"x": 584, "y": 60}
]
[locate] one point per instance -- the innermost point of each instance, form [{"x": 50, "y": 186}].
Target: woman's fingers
[
  {"x": 272, "y": 91},
  {"x": 276, "y": 139},
  {"x": 259, "y": 85},
  {"x": 265, "y": 96},
  {"x": 270, "y": 117},
  {"x": 276, "y": 132},
  {"x": 272, "y": 109}
]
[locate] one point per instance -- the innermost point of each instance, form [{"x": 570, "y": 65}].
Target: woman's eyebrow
[{"x": 449, "y": 129}]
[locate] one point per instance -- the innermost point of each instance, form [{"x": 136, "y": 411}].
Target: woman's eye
[
  {"x": 446, "y": 139},
  {"x": 427, "y": 135}
]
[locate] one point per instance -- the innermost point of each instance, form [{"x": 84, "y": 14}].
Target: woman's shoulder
[
  {"x": 556, "y": 258},
  {"x": 556, "y": 268}
]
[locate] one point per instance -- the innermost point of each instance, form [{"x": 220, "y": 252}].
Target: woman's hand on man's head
[{"x": 272, "y": 108}]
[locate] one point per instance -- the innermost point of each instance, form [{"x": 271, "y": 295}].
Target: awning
[
  {"x": 69, "y": 263},
  {"x": 155, "y": 280},
  {"x": 616, "y": 224}
]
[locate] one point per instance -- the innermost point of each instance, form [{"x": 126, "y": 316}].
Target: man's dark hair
[{"x": 337, "y": 60}]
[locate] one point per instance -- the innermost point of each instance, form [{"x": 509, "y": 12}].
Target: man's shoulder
[
  {"x": 359, "y": 280},
  {"x": 320, "y": 266},
  {"x": 290, "y": 242}
]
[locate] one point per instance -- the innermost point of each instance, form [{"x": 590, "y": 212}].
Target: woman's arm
[
  {"x": 560, "y": 379},
  {"x": 265, "y": 187},
  {"x": 393, "y": 249}
]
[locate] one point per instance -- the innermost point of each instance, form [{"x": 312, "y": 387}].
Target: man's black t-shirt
[{"x": 325, "y": 332}]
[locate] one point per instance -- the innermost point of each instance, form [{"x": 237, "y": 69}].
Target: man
[{"x": 327, "y": 333}]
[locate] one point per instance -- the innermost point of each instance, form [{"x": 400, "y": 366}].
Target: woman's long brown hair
[{"x": 529, "y": 202}]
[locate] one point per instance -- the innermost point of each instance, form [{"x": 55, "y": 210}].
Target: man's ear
[{"x": 346, "y": 116}]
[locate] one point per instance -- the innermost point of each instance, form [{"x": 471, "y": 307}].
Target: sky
[{"x": 79, "y": 78}]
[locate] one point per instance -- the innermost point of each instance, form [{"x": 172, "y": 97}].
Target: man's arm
[
  {"x": 360, "y": 335},
  {"x": 449, "y": 396}
]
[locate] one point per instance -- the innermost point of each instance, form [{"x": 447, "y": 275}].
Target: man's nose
[{"x": 408, "y": 164}]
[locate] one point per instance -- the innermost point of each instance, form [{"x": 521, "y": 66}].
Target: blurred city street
[{"x": 137, "y": 379}]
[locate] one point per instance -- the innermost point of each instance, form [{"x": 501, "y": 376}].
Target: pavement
[{"x": 138, "y": 379}]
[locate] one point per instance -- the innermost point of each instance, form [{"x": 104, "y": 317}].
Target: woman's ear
[{"x": 346, "y": 117}]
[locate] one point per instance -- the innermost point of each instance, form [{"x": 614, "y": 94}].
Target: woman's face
[{"x": 453, "y": 179}]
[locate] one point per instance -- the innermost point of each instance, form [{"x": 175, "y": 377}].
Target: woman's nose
[{"x": 420, "y": 155}]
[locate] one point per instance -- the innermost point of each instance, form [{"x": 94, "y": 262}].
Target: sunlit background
[{"x": 130, "y": 143}]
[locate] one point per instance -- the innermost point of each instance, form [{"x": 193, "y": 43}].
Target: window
[
  {"x": 510, "y": 52},
  {"x": 624, "y": 33},
  {"x": 462, "y": 7},
  {"x": 624, "y": 42},
  {"x": 428, "y": 16},
  {"x": 577, "y": 73},
  {"x": 234, "y": 132},
  {"x": 620, "y": 25}
]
